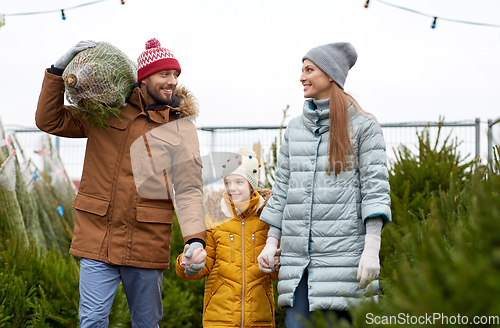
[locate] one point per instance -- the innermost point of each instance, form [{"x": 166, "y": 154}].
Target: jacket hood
[
  {"x": 188, "y": 103},
  {"x": 216, "y": 208}
]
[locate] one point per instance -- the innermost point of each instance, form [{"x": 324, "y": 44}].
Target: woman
[{"x": 330, "y": 197}]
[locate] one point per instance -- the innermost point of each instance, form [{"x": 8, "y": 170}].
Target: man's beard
[{"x": 158, "y": 99}]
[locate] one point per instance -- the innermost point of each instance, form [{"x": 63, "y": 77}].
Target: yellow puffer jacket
[{"x": 235, "y": 297}]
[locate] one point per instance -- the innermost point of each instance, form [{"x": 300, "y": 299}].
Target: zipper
[
  {"x": 243, "y": 272},
  {"x": 113, "y": 186},
  {"x": 253, "y": 248}
]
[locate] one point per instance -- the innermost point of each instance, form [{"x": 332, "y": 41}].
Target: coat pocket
[
  {"x": 155, "y": 214},
  {"x": 119, "y": 123},
  {"x": 261, "y": 301},
  {"x": 91, "y": 204},
  {"x": 164, "y": 133},
  {"x": 219, "y": 302},
  {"x": 231, "y": 237},
  {"x": 252, "y": 256},
  {"x": 151, "y": 234},
  {"x": 90, "y": 223}
]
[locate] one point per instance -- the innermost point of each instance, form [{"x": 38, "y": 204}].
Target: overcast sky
[{"x": 242, "y": 58}]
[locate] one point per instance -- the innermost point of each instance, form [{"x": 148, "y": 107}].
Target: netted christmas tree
[{"x": 98, "y": 81}]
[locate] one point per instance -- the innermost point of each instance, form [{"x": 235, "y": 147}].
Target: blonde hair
[{"x": 340, "y": 145}]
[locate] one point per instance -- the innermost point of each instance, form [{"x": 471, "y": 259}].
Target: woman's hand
[
  {"x": 369, "y": 264},
  {"x": 267, "y": 253}
]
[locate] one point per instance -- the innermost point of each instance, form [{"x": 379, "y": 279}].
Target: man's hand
[
  {"x": 194, "y": 269},
  {"x": 193, "y": 259},
  {"x": 369, "y": 264},
  {"x": 62, "y": 62},
  {"x": 266, "y": 257}
]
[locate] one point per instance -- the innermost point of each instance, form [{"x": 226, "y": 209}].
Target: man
[{"x": 124, "y": 213}]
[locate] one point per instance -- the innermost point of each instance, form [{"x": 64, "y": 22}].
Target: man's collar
[{"x": 175, "y": 102}]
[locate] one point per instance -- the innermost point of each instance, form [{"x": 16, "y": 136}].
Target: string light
[
  {"x": 432, "y": 16},
  {"x": 63, "y": 16}
]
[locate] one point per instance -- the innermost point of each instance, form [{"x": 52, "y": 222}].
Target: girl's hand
[
  {"x": 195, "y": 259},
  {"x": 193, "y": 254},
  {"x": 277, "y": 263}
]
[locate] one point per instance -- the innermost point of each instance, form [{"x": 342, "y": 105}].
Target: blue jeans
[
  {"x": 98, "y": 284},
  {"x": 300, "y": 309}
]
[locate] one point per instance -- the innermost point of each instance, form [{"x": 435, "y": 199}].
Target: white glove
[
  {"x": 369, "y": 264},
  {"x": 192, "y": 269},
  {"x": 62, "y": 62},
  {"x": 266, "y": 257}
]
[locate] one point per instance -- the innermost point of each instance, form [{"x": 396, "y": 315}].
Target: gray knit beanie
[{"x": 335, "y": 59}]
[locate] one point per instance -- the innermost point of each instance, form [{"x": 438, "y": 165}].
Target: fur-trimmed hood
[
  {"x": 188, "y": 103},
  {"x": 217, "y": 210}
]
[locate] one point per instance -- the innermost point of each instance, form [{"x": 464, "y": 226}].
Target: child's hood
[{"x": 217, "y": 209}]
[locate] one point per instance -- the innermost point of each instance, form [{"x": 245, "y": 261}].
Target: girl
[
  {"x": 331, "y": 195},
  {"x": 237, "y": 293}
]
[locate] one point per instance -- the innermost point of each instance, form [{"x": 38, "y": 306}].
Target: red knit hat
[{"x": 155, "y": 59}]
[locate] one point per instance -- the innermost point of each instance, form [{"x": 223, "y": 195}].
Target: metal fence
[
  {"x": 219, "y": 139},
  {"x": 493, "y": 136},
  {"x": 466, "y": 133}
]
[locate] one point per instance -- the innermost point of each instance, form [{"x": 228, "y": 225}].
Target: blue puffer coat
[{"x": 322, "y": 216}]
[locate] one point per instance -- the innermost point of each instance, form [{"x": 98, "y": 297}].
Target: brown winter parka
[{"x": 113, "y": 222}]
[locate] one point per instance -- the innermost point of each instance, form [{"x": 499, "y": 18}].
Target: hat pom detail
[
  {"x": 246, "y": 152},
  {"x": 152, "y": 43},
  {"x": 245, "y": 164}
]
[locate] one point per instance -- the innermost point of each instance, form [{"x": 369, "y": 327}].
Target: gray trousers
[{"x": 98, "y": 284}]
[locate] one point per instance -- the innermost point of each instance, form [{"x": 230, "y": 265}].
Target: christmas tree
[{"x": 98, "y": 81}]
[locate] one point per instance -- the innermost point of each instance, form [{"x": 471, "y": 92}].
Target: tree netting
[
  {"x": 35, "y": 203},
  {"x": 55, "y": 193},
  {"x": 29, "y": 207},
  {"x": 11, "y": 217},
  {"x": 98, "y": 81}
]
